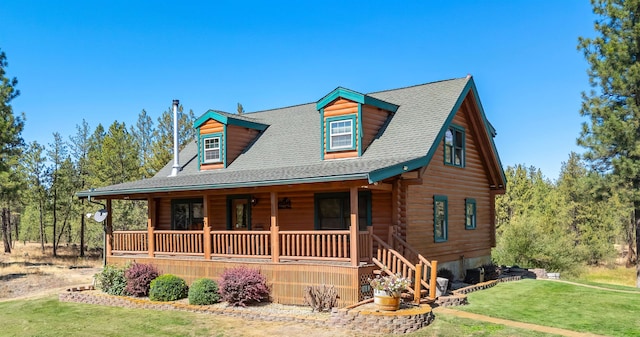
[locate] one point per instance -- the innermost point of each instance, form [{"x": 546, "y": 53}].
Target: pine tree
[
  {"x": 11, "y": 144},
  {"x": 163, "y": 137},
  {"x": 144, "y": 137},
  {"x": 612, "y": 134}
]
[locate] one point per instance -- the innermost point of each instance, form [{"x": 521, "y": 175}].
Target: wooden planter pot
[{"x": 385, "y": 301}]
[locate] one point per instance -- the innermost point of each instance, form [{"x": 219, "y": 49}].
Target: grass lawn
[
  {"x": 49, "y": 317},
  {"x": 451, "y": 326},
  {"x": 560, "y": 305}
]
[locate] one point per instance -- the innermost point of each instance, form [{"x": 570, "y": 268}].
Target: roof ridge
[
  {"x": 417, "y": 85},
  {"x": 373, "y": 92}
]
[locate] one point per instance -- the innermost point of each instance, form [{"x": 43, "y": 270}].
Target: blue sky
[{"x": 108, "y": 60}]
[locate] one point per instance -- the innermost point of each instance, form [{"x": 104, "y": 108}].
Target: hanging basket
[{"x": 385, "y": 301}]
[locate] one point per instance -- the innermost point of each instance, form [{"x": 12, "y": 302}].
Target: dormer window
[
  {"x": 211, "y": 149},
  {"x": 341, "y": 133}
]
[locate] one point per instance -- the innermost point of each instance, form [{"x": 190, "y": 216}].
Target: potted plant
[{"x": 387, "y": 290}]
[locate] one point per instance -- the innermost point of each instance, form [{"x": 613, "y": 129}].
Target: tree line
[
  {"x": 564, "y": 224},
  {"x": 38, "y": 182}
]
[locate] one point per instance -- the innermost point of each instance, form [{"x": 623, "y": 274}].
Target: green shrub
[
  {"x": 111, "y": 280},
  {"x": 204, "y": 292},
  {"x": 168, "y": 287}
]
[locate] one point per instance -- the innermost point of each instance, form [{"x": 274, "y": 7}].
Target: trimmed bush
[
  {"x": 139, "y": 277},
  {"x": 111, "y": 280},
  {"x": 448, "y": 274},
  {"x": 168, "y": 287},
  {"x": 204, "y": 292},
  {"x": 241, "y": 286}
]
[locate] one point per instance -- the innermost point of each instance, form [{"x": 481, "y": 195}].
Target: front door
[{"x": 239, "y": 212}]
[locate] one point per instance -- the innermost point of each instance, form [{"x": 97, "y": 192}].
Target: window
[
  {"x": 341, "y": 133},
  {"x": 239, "y": 212},
  {"x": 211, "y": 150},
  {"x": 440, "y": 218},
  {"x": 333, "y": 210},
  {"x": 186, "y": 214},
  {"x": 470, "y": 212},
  {"x": 454, "y": 146}
]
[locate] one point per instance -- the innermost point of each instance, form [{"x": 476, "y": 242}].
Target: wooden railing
[
  {"x": 241, "y": 243},
  {"x": 391, "y": 262},
  {"x": 299, "y": 245},
  {"x": 129, "y": 241},
  {"x": 365, "y": 245},
  {"x": 327, "y": 245},
  {"x": 179, "y": 242}
]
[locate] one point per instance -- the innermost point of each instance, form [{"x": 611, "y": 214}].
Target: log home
[{"x": 325, "y": 193}]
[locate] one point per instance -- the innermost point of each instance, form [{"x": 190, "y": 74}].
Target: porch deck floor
[{"x": 243, "y": 259}]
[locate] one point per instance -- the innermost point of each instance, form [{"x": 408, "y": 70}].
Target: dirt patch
[{"x": 27, "y": 272}]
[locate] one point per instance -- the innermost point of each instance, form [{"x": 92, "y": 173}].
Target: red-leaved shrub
[
  {"x": 139, "y": 277},
  {"x": 241, "y": 286}
]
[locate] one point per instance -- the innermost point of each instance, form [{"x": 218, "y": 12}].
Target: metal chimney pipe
[{"x": 176, "y": 161}]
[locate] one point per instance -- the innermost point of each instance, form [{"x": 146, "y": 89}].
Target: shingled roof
[{"x": 288, "y": 151}]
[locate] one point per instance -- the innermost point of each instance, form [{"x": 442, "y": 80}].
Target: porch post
[
  {"x": 151, "y": 222},
  {"x": 109, "y": 229},
  {"x": 275, "y": 230},
  {"x": 353, "y": 228},
  {"x": 370, "y": 243},
  {"x": 434, "y": 279},
  {"x": 206, "y": 230},
  {"x": 417, "y": 287}
]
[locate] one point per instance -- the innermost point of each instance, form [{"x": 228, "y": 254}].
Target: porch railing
[
  {"x": 298, "y": 245},
  {"x": 179, "y": 242},
  {"x": 130, "y": 241},
  {"x": 241, "y": 243},
  {"x": 328, "y": 245}
]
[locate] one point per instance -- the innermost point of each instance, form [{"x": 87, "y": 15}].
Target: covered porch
[{"x": 335, "y": 233}]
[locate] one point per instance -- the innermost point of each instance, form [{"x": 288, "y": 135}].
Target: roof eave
[{"x": 201, "y": 187}]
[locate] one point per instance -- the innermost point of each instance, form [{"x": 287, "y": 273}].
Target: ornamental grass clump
[
  {"x": 139, "y": 277},
  {"x": 204, "y": 291},
  {"x": 168, "y": 287},
  {"x": 241, "y": 286},
  {"x": 393, "y": 285}
]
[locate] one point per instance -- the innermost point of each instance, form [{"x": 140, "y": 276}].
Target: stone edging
[
  {"x": 403, "y": 321},
  {"x": 397, "y": 322},
  {"x": 458, "y": 297},
  {"x": 138, "y": 303}
]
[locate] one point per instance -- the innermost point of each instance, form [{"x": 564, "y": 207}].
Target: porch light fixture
[{"x": 254, "y": 201}]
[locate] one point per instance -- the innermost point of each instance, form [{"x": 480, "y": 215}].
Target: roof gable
[
  {"x": 356, "y": 97},
  {"x": 228, "y": 119}
]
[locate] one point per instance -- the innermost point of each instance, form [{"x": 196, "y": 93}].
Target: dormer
[
  {"x": 222, "y": 137},
  {"x": 350, "y": 121}
]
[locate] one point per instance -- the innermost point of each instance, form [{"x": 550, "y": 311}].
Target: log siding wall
[
  {"x": 470, "y": 181},
  {"x": 372, "y": 120},
  {"x": 300, "y": 216}
]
